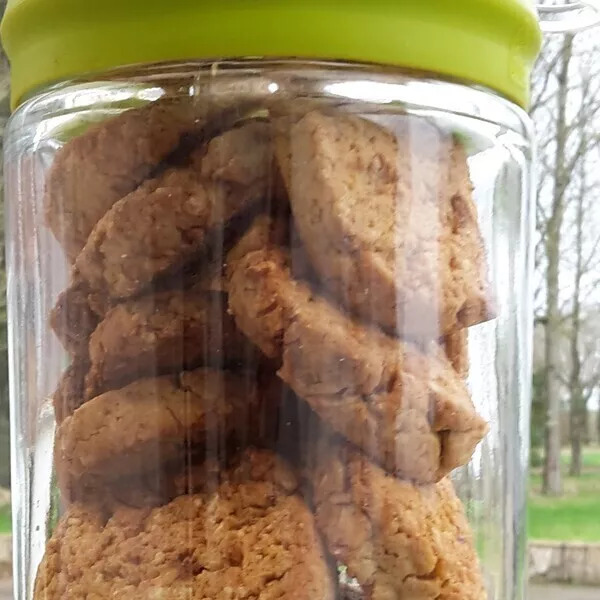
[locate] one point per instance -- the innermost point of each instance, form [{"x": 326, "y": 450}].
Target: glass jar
[{"x": 270, "y": 323}]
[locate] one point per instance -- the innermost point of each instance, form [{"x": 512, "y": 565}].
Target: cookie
[
  {"x": 252, "y": 537},
  {"x": 155, "y": 486},
  {"x": 168, "y": 220},
  {"x": 406, "y": 408},
  {"x": 70, "y": 392},
  {"x": 240, "y": 155},
  {"x": 264, "y": 231},
  {"x": 76, "y": 314},
  {"x": 79, "y": 310},
  {"x": 375, "y": 208},
  {"x": 154, "y": 420},
  {"x": 283, "y": 115},
  {"x": 282, "y": 145},
  {"x": 94, "y": 170},
  {"x": 163, "y": 333},
  {"x": 72, "y": 319},
  {"x": 468, "y": 247},
  {"x": 397, "y": 539},
  {"x": 456, "y": 346}
]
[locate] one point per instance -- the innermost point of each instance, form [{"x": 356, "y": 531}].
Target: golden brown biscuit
[
  {"x": 157, "y": 485},
  {"x": 72, "y": 318},
  {"x": 78, "y": 310},
  {"x": 152, "y": 421},
  {"x": 468, "y": 247},
  {"x": 166, "y": 221},
  {"x": 94, "y": 170},
  {"x": 456, "y": 346},
  {"x": 70, "y": 392},
  {"x": 163, "y": 333},
  {"x": 76, "y": 314},
  {"x": 283, "y": 151},
  {"x": 375, "y": 210},
  {"x": 397, "y": 539},
  {"x": 284, "y": 114},
  {"x": 407, "y": 409},
  {"x": 252, "y": 537},
  {"x": 265, "y": 231}
]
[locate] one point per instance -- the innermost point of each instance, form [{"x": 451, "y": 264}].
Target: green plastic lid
[{"x": 488, "y": 42}]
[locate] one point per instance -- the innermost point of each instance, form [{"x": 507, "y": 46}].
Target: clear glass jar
[{"x": 270, "y": 334}]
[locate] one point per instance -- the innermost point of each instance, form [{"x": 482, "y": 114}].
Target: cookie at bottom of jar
[
  {"x": 252, "y": 537},
  {"x": 396, "y": 539}
]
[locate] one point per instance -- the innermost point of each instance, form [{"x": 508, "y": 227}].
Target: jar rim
[{"x": 487, "y": 42}]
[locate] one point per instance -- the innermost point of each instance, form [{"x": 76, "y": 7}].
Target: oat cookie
[
  {"x": 94, "y": 170},
  {"x": 406, "y": 408},
  {"x": 154, "y": 487},
  {"x": 456, "y": 346},
  {"x": 283, "y": 151},
  {"x": 167, "y": 220},
  {"x": 70, "y": 392},
  {"x": 284, "y": 115},
  {"x": 399, "y": 540},
  {"x": 468, "y": 248},
  {"x": 73, "y": 320},
  {"x": 252, "y": 537},
  {"x": 76, "y": 314},
  {"x": 375, "y": 209},
  {"x": 152, "y": 421},
  {"x": 163, "y": 333},
  {"x": 78, "y": 311},
  {"x": 264, "y": 231}
]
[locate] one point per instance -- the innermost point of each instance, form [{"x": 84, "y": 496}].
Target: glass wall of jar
[{"x": 269, "y": 334}]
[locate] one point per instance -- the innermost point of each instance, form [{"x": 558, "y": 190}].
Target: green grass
[
  {"x": 5, "y": 524},
  {"x": 591, "y": 458},
  {"x": 575, "y": 516}
]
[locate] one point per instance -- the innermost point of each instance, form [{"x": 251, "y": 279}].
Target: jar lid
[{"x": 487, "y": 42}]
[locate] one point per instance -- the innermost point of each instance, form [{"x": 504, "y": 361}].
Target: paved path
[
  {"x": 5, "y": 590},
  {"x": 559, "y": 592},
  {"x": 536, "y": 592}
]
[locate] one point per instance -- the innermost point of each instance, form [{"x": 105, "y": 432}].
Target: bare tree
[
  {"x": 578, "y": 399},
  {"x": 582, "y": 245},
  {"x": 552, "y": 476},
  {"x": 566, "y": 104}
]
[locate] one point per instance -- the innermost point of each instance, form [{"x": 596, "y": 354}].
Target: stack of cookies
[{"x": 267, "y": 322}]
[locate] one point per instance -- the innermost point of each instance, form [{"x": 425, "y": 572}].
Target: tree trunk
[
  {"x": 575, "y": 466},
  {"x": 578, "y": 404},
  {"x": 577, "y": 435},
  {"x": 552, "y": 476}
]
